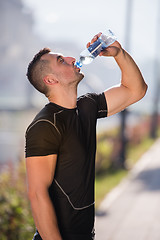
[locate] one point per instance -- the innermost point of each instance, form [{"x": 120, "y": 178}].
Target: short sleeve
[
  {"x": 101, "y": 104},
  {"x": 42, "y": 139}
]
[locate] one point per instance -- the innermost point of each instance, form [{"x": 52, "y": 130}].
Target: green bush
[{"x": 16, "y": 222}]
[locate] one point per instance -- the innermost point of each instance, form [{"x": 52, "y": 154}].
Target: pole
[
  {"x": 123, "y": 138},
  {"x": 154, "y": 119}
]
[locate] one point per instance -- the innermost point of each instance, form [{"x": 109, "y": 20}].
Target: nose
[{"x": 70, "y": 60}]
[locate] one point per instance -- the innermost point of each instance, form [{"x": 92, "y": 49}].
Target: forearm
[
  {"x": 131, "y": 75},
  {"x": 132, "y": 87},
  {"x": 45, "y": 217}
]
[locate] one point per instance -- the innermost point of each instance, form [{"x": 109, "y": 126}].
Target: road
[{"x": 131, "y": 211}]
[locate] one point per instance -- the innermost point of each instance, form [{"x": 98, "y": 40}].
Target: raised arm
[
  {"x": 40, "y": 173},
  {"x": 132, "y": 86}
]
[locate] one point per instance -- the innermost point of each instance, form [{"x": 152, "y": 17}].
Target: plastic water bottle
[{"x": 105, "y": 40}]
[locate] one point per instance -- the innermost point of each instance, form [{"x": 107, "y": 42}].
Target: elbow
[
  {"x": 142, "y": 92},
  {"x": 34, "y": 199},
  {"x": 32, "y": 196},
  {"x": 36, "y": 195}
]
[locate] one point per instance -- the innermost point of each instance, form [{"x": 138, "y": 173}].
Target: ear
[{"x": 50, "y": 79}]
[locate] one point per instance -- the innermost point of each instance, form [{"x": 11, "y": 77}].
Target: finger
[
  {"x": 99, "y": 34},
  {"x": 101, "y": 53},
  {"x": 88, "y": 44},
  {"x": 104, "y": 53},
  {"x": 96, "y": 37},
  {"x": 107, "y": 51}
]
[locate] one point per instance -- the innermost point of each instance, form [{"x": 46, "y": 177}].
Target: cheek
[
  {"x": 65, "y": 77},
  {"x": 68, "y": 75}
]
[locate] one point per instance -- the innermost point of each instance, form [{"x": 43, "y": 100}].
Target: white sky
[{"x": 78, "y": 21}]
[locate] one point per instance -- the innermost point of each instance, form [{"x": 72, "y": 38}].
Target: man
[{"x": 61, "y": 141}]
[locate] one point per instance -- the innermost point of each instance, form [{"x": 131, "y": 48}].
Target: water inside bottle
[
  {"x": 84, "y": 60},
  {"x": 95, "y": 48}
]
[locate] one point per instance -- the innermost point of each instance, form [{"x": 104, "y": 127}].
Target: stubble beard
[{"x": 80, "y": 77}]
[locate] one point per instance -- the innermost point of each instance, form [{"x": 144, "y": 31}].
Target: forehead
[{"x": 51, "y": 56}]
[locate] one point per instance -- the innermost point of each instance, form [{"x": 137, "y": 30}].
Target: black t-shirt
[{"x": 71, "y": 134}]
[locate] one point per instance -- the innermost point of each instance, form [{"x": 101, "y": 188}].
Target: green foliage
[
  {"x": 107, "y": 181},
  {"x": 16, "y": 222},
  {"x": 107, "y": 177},
  {"x": 105, "y": 149}
]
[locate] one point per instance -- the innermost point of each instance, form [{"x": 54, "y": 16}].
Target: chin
[
  {"x": 81, "y": 77},
  {"x": 78, "y": 78}
]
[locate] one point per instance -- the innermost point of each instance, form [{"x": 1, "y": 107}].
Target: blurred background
[{"x": 27, "y": 26}]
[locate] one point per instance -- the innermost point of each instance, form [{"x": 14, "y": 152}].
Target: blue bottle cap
[{"x": 78, "y": 64}]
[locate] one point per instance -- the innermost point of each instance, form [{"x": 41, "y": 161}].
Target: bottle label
[{"x": 96, "y": 47}]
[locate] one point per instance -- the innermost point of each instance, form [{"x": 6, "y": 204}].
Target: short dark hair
[{"x": 37, "y": 69}]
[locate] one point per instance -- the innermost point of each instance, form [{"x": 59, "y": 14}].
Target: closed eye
[{"x": 60, "y": 59}]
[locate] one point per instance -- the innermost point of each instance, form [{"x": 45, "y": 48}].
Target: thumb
[{"x": 105, "y": 52}]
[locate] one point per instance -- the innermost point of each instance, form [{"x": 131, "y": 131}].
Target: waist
[{"x": 69, "y": 236}]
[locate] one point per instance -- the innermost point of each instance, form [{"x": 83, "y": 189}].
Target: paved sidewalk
[{"x": 132, "y": 210}]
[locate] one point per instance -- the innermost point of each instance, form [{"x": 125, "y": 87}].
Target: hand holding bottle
[
  {"x": 110, "y": 51},
  {"x": 98, "y": 44}
]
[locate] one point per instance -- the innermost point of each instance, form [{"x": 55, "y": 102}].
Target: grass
[
  {"x": 110, "y": 178},
  {"x": 135, "y": 152},
  {"x": 105, "y": 183}
]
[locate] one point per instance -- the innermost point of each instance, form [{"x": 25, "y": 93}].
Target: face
[{"x": 64, "y": 69}]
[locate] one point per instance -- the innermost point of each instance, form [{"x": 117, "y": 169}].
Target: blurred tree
[
  {"x": 16, "y": 221},
  {"x": 156, "y": 96},
  {"x": 16, "y": 46}
]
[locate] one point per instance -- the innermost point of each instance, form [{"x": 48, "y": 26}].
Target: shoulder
[
  {"x": 46, "y": 120},
  {"x": 89, "y": 97},
  {"x": 92, "y": 99},
  {"x": 93, "y": 102},
  {"x": 43, "y": 136}
]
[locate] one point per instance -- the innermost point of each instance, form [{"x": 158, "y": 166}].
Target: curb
[{"x": 138, "y": 167}]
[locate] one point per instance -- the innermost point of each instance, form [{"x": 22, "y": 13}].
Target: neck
[{"x": 64, "y": 98}]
